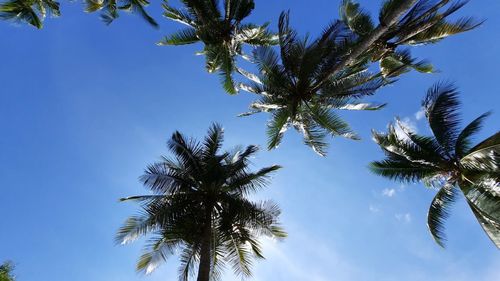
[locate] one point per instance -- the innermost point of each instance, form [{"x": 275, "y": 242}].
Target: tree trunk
[{"x": 205, "y": 251}]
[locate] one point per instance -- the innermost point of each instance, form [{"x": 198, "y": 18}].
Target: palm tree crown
[
  {"x": 221, "y": 31},
  {"x": 302, "y": 85},
  {"x": 446, "y": 161},
  {"x": 291, "y": 90},
  {"x": 200, "y": 208}
]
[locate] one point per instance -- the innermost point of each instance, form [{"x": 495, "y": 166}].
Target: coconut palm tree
[
  {"x": 34, "y": 12},
  {"x": 303, "y": 86},
  {"x": 199, "y": 209},
  {"x": 6, "y": 270},
  {"x": 447, "y": 162},
  {"x": 287, "y": 83},
  {"x": 221, "y": 31}
]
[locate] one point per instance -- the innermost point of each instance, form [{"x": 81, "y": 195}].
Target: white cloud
[
  {"x": 373, "y": 209},
  {"x": 404, "y": 217},
  {"x": 420, "y": 114},
  {"x": 389, "y": 192}
]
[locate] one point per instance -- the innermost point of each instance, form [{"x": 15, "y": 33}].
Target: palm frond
[
  {"x": 401, "y": 171},
  {"x": 463, "y": 144},
  {"x": 356, "y": 18},
  {"x": 362, "y": 106},
  {"x": 188, "y": 259},
  {"x": 277, "y": 127},
  {"x": 439, "y": 211},
  {"x": 182, "y": 37},
  {"x": 243, "y": 9},
  {"x": 441, "y": 105},
  {"x": 188, "y": 151},
  {"x": 484, "y": 200},
  {"x": 246, "y": 183},
  {"x": 388, "y": 7},
  {"x": 31, "y": 12},
  {"x": 178, "y": 15},
  {"x": 239, "y": 256},
  {"x": 110, "y": 8},
  {"x": 329, "y": 121},
  {"x": 133, "y": 228},
  {"x": 442, "y": 30},
  {"x": 485, "y": 156},
  {"x": 213, "y": 140},
  {"x": 257, "y": 35},
  {"x": 157, "y": 250},
  {"x": 399, "y": 62},
  {"x": 314, "y": 135}
]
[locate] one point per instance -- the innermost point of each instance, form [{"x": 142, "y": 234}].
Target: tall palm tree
[
  {"x": 199, "y": 208},
  {"x": 309, "y": 79},
  {"x": 221, "y": 31},
  {"x": 6, "y": 270},
  {"x": 446, "y": 161},
  {"x": 34, "y": 12}
]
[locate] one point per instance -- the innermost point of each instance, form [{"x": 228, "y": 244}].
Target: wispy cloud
[
  {"x": 405, "y": 217},
  {"x": 389, "y": 192},
  {"x": 313, "y": 264},
  {"x": 419, "y": 115},
  {"x": 373, "y": 209}
]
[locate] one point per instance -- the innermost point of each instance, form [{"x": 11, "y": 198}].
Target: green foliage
[
  {"x": 425, "y": 22},
  {"x": 110, "y": 9},
  {"x": 200, "y": 188},
  {"x": 34, "y": 12},
  {"x": 290, "y": 85},
  {"x": 356, "y": 19},
  {"x": 6, "y": 271},
  {"x": 308, "y": 80},
  {"x": 447, "y": 162},
  {"x": 221, "y": 31},
  {"x": 30, "y": 11}
]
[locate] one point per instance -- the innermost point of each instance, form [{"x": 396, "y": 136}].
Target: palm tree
[
  {"x": 6, "y": 270},
  {"x": 199, "y": 208},
  {"x": 34, "y": 12},
  {"x": 447, "y": 162},
  {"x": 308, "y": 80},
  {"x": 288, "y": 89},
  {"x": 221, "y": 31}
]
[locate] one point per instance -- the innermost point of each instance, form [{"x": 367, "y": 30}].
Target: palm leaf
[
  {"x": 484, "y": 200},
  {"x": 441, "y": 106},
  {"x": 157, "y": 251},
  {"x": 439, "y": 211},
  {"x": 182, "y": 37},
  {"x": 484, "y": 156},
  {"x": 356, "y": 18},
  {"x": 463, "y": 141},
  {"x": 188, "y": 258},
  {"x": 329, "y": 121},
  {"x": 277, "y": 127}
]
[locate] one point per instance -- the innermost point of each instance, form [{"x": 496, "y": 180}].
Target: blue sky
[{"x": 85, "y": 107}]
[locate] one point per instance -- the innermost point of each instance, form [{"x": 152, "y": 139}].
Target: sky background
[{"x": 85, "y": 107}]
